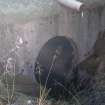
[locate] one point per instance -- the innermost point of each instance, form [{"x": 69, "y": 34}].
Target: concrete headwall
[{"x": 83, "y": 27}]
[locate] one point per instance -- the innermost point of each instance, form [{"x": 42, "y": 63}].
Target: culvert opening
[{"x": 56, "y": 68}]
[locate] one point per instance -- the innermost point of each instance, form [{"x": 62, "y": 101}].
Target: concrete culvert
[
  {"x": 56, "y": 68},
  {"x": 55, "y": 63}
]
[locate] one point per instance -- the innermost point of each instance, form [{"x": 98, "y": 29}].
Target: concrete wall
[
  {"x": 82, "y": 27},
  {"x": 35, "y": 33}
]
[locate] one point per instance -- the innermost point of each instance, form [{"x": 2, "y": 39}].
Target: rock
[{"x": 22, "y": 99}]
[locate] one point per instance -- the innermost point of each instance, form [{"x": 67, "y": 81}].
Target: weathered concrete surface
[
  {"x": 35, "y": 34},
  {"x": 83, "y": 27}
]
